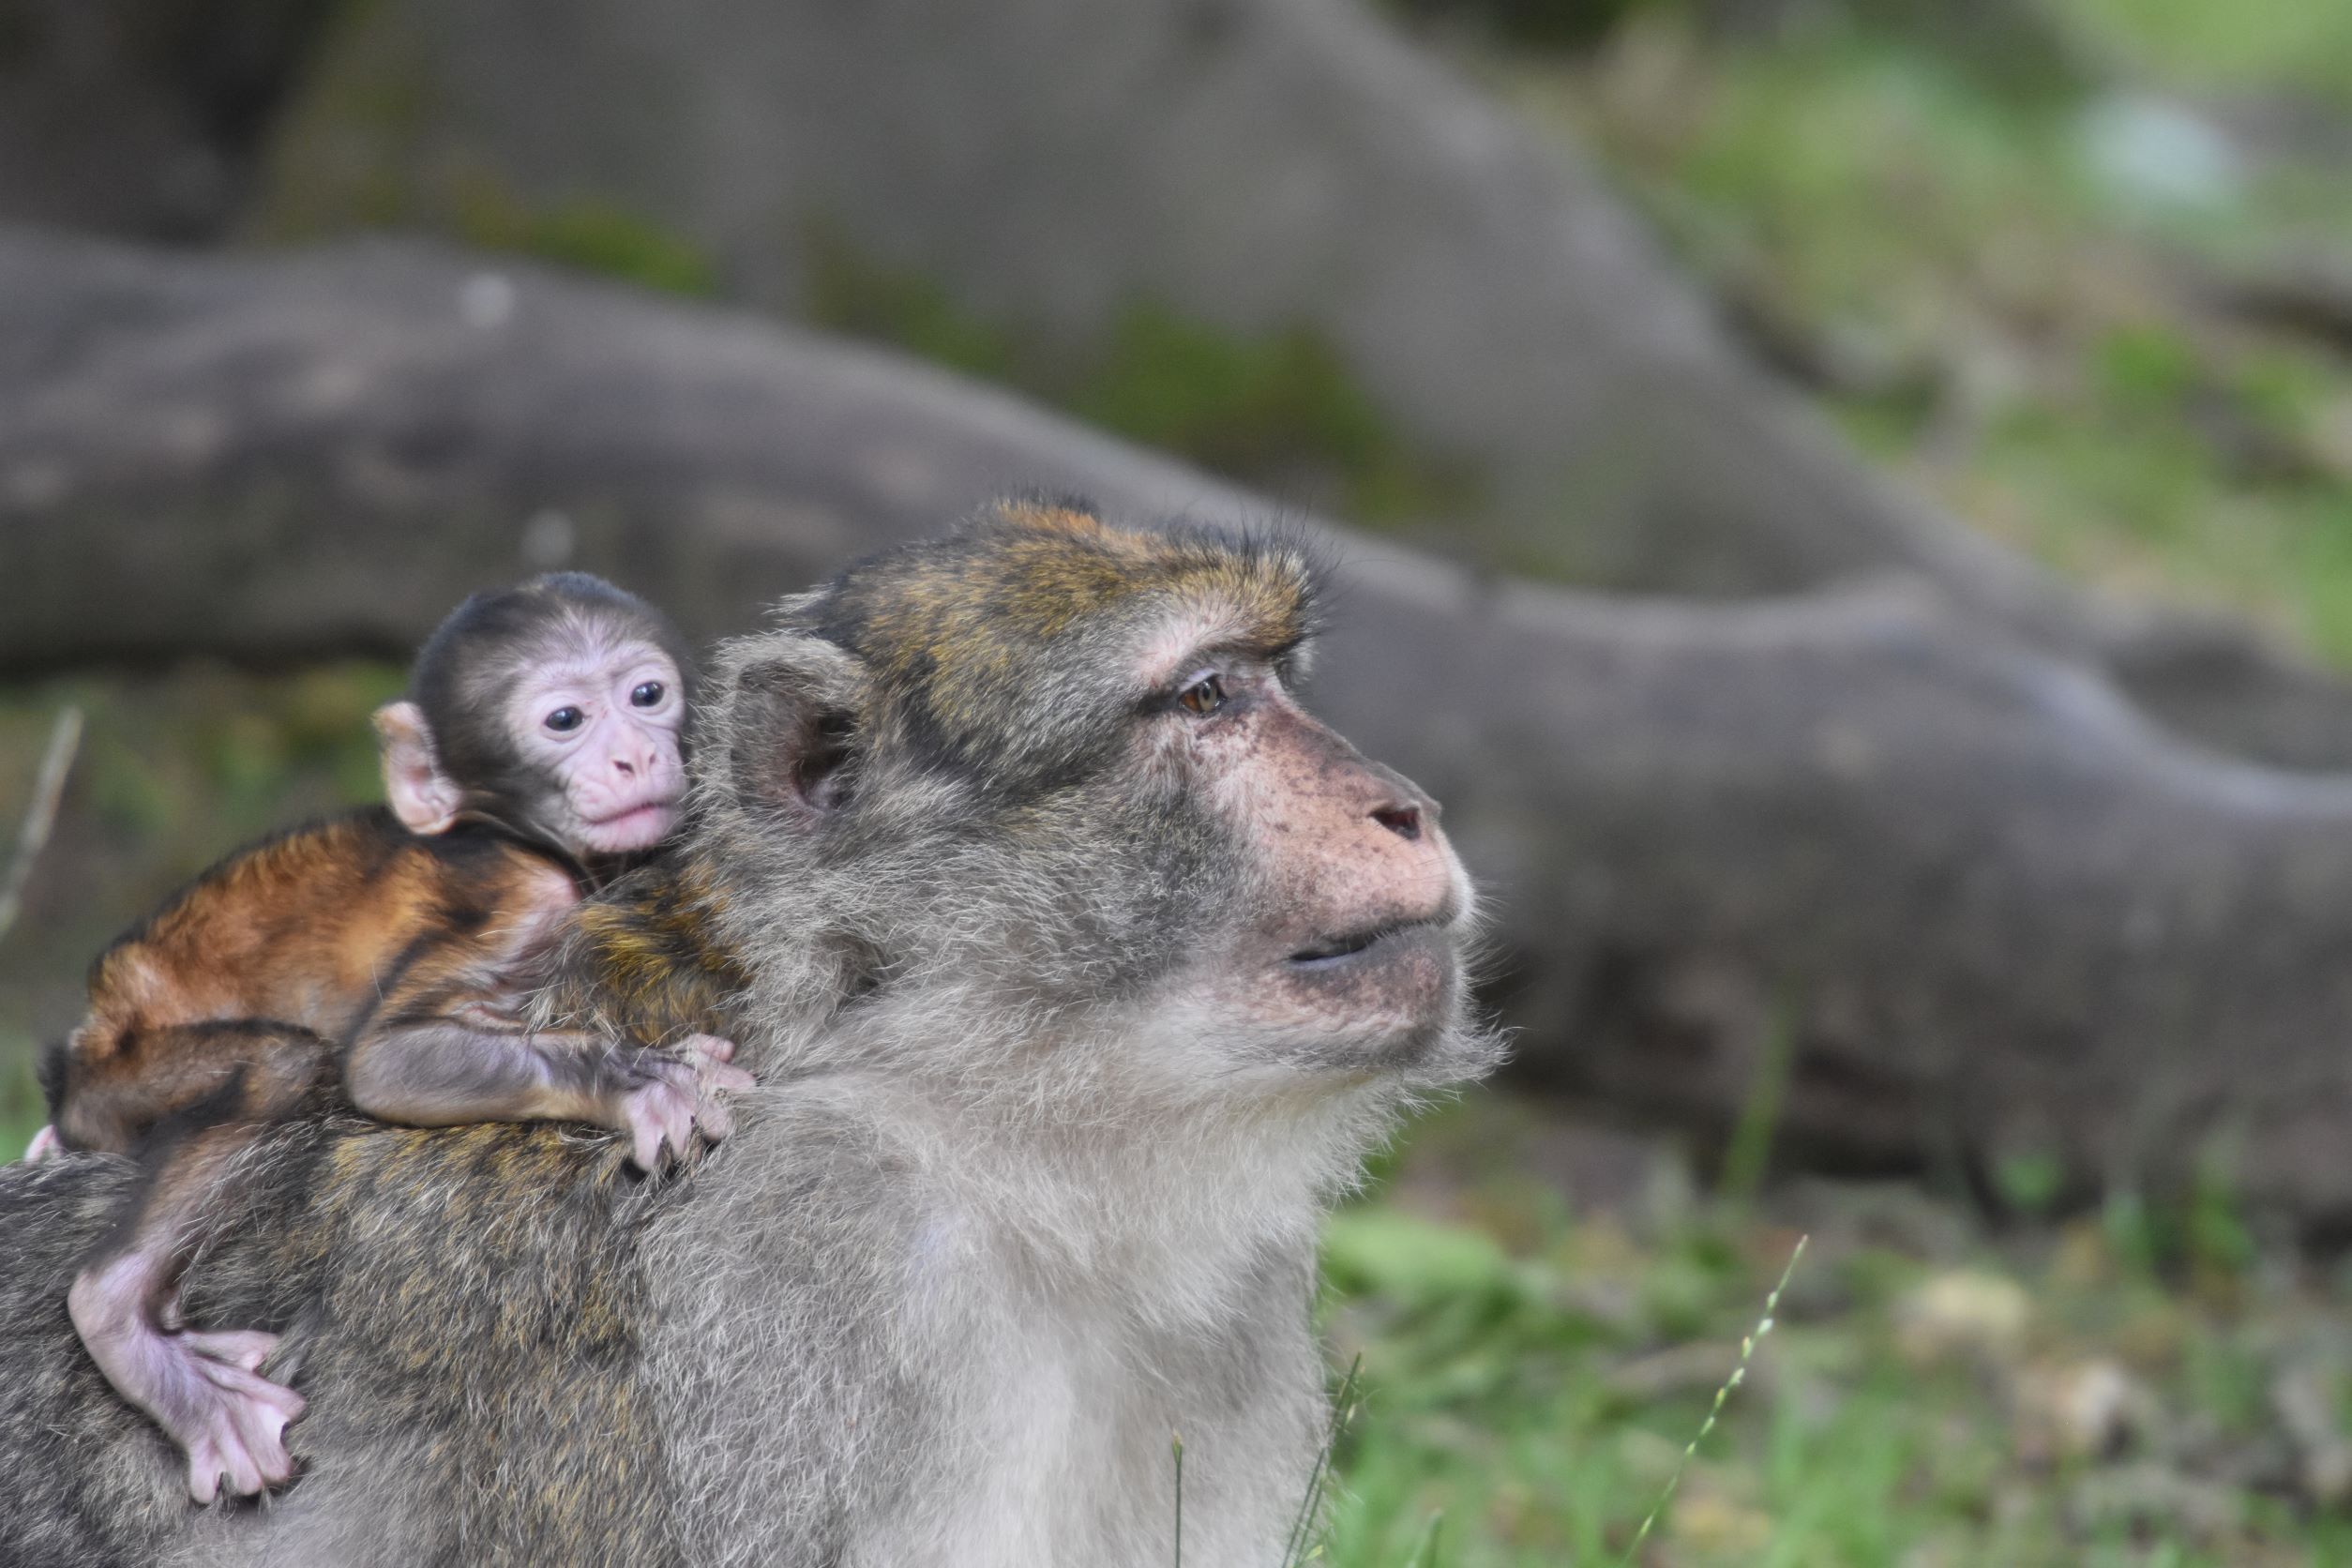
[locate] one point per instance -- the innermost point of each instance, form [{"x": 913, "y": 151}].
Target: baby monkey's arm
[{"x": 475, "y": 1060}]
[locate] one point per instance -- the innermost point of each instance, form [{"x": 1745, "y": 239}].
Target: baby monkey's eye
[
  {"x": 565, "y": 721},
  {"x": 647, "y": 694},
  {"x": 1204, "y": 695}
]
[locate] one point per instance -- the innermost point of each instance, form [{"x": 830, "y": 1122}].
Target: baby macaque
[{"x": 540, "y": 751}]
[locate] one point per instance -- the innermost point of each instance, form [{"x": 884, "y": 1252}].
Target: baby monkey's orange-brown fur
[
  {"x": 232, "y": 998},
  {"x": 231, "y": 1009}
]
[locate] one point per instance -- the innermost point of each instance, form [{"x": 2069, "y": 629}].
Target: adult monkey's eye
[
  {"x": 565, "y": 721},
  {"x": 1204, "y": 695},
  {"x": 647, "y": 695}
]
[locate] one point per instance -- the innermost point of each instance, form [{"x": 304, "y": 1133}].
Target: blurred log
[
  {"x": 1982, "y": 907},
  {"x": 1045, "y": 166}
]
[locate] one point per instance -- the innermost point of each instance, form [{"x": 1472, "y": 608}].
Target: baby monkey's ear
[{"x": 425, "y": 799}]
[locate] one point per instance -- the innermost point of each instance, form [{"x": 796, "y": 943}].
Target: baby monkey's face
[{"x": 604, "y": 727}]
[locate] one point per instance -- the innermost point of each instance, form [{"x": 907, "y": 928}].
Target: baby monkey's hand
[{"x": 674, "y": 1094}]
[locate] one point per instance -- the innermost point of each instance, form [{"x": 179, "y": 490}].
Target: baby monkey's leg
[{"x": 202, "y": 1388}]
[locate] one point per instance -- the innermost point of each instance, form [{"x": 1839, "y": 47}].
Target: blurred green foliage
[
  {"x": 1531, "y": 23},
  {"x": 1945, "y": 262},
  {"x": 851, "y": 293},
  {"x": 2015, "y": 43},
  {"x": 590, "y": 235},
  {"x": 2244, "y": 45},
  {"x": 353, "y": 157},
  {"x": 1279, "y": 410}
]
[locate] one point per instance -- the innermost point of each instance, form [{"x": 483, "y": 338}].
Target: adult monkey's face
[
  {"x": 1345, "y": 948},
  {"x": 1177, "y": 851}
]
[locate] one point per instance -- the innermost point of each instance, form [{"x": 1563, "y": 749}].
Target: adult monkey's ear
[
  {"x": 790, "y": 727},
  {"x": 425, "y": 799}
]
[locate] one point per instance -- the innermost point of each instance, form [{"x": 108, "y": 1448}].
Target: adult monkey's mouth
[{"x": 1335, "y": 951}]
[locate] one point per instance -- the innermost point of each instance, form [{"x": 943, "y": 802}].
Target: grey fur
[{"x": 1007, "y": 1213}]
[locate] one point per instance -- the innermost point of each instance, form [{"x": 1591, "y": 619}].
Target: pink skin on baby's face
[{"x": 606, "y": 725}]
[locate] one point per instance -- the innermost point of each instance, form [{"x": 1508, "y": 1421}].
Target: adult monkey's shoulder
[{"x": 646, "y": 959}]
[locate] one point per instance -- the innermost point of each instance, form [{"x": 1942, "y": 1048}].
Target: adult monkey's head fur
[{"x": 1052, "y": 775}]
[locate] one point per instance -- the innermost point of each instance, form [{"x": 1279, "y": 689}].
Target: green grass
[{"x": 1535, "y": 1377}]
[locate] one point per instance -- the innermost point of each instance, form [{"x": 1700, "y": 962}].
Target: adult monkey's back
[{"x": 1082, "y": 967}]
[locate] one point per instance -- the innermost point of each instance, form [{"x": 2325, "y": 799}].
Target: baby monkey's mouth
[
  {"x": 640, "y": 826},
  {"x": 637, "y": 811}
]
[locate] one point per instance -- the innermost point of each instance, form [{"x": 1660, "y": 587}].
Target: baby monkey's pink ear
[{"x": 424, "y": 798}]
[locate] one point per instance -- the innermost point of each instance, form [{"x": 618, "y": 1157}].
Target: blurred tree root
[
  {"x": 1988, "y": 913},
  {"x": 1041, "y": 171},
  {"x": 1040, "y": 175}
]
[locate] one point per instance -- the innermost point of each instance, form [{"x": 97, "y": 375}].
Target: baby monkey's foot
[
  {"x": 202, "y": 1388},
  {"x": 43, "y": 1145},
  {"x": 242, "y": 1432}
]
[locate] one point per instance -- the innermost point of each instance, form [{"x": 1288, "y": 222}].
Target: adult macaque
[
  {"x": 539, "y": 750},
  {"x": 1083, "y": 964}
]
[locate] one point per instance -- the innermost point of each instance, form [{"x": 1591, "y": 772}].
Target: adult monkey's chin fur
[{"x": 1078, "y": 965}]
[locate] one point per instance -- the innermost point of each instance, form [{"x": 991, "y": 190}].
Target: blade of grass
[
  {"x": 40, "y": 816},
  {"x": 1303, "y": 1528},
  {"x": 1750, "y": 1149},
  {"x": 1428, "y": 1543},
  {"x": 1715, "y": 1411}
]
